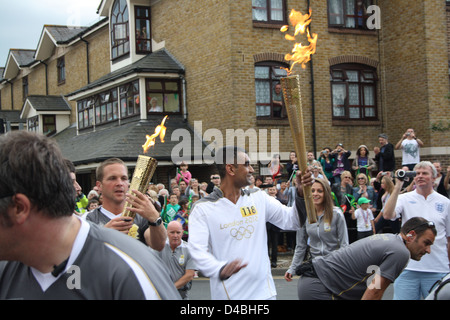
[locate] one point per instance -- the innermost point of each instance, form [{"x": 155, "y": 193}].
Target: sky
[{"x": 22, "y": 21}]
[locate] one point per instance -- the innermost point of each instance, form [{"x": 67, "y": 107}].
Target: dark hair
[
  {"x": 32, "y": 164},
  {"x": 183, "y": 201},
  {"x": 69, "y": 165},
  {"x": 419, "y": 225},
  {"x": 227, "y": 155}
]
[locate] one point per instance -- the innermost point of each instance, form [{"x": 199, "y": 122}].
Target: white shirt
[
  {"x": 363, "y": 220},
  {"x": 410, "y": 151},
  {"x": 434, "y": 208},
  {"x": 221, "y": 231}
]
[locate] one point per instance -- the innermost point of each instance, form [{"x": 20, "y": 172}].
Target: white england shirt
[
  {"x": 434, "y": 208},
  {"x": 221, "y": 231}
]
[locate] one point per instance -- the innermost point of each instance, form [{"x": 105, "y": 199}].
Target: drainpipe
[
  {"x": 87, "y": 59},
  {"x": 185, "y": 114},
  {"x": 313, "y": 107}
]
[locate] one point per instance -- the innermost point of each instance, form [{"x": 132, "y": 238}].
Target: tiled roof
[
  {"x": 11, "y": 115},
  {"x": 48, "y": 103},
  {"x": 64, "y": 33},
  {"x": 24, "y": 57},
  {"x": 124, "y": 141}
]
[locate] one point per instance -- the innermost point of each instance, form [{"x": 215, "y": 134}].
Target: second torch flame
[{"x": 159, "y": 131}]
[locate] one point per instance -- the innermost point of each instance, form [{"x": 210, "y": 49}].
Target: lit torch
[
  {"x": 145, "y": 166},
  {"x": 293, "y": 98}
]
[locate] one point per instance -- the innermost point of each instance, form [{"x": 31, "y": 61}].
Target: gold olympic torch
[
  {"x": 293, "y": 98},
  {"x": 145, "y": 166}
]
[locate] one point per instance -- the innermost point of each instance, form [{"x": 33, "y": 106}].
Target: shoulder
[{"x": 93, "y": 215}]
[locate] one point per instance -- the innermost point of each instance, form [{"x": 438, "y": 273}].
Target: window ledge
[
  {"x": 352, "y": 31},
  {"x": 272, "y": 122},
  {"x": 268, "y": 25},
  {"x": 343, "y": 123}
]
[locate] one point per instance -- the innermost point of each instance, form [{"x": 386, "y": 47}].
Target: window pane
[
  {"x": 354, "y": 113},
  {"x": 80, "y": 120},
  {"x": 338, "y": 111},
  {"x": 353, "y": 92},
  {"x": 277, "y": 10},
  {"x": 369, "y": 112},
  {"x": 103, "y": 113},
  {"x": 278, "y": 72},
  {"x": 171, "y": 86},
  {"x": 262, "y": 111},
  {"x": 98, "y": 118},
  {"x": 109, "y": 112},
  {"x": 259, "y": 10},
  {"x": 171, "y": 102},
  {"x": 262, "y": 92},
  {"x": 369, "y": 99},
  {"x": 154, "y": 85},
  {"x": 336, "y": 11},
  {"x": 123, "y": 107},
  {"x": 262, "y": 72},
  {"x": 352, "y": 76},
  {"x": 339, "y": 94},
  {"x": 86, "y": 118},
  {"x": 337, "y": 75},
  {"x": 115, "y": 110},
  {"x": 155, "y": 102},
  {"x": 91, "y": 116}
]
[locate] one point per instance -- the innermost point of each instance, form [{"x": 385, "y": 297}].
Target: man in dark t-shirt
[{"x": 365, "y": 269}]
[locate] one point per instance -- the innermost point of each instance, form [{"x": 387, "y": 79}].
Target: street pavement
[{"x": 285, "y": 290}]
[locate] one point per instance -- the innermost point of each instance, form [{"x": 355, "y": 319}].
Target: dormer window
[
  {"x": 143, "y": 31},
  {"x": 120, "y": 35}
]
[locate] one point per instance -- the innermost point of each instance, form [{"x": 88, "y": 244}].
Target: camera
[{"x": 405, "y": 175}]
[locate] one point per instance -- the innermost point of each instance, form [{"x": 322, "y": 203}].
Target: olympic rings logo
[{"x": 242, "y": 232}]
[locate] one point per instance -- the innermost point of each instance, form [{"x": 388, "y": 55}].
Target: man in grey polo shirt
[
  {"x": 50, "y": 253},
  {"x": 365, "y": 269},
  {"x": 177, "y": 258}
]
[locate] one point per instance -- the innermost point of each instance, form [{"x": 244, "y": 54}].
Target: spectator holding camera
[
  {"x": 327, "y": 163},
  {"x": 410, "y": 146},
  {"x": 419, "y": 276},
  {"x": 341, "y": 162}
]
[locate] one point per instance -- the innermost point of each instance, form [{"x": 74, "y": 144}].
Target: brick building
[{"x": 213, "y": 65}]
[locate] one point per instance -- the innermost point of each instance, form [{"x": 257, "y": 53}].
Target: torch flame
[
  {"x": 301, "y": 54},
  {"x": 159, "y": 131}
]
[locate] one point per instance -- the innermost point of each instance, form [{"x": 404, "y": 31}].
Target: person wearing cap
[
  {"x": 363, "y": 163},
  {"x": 364, "y": 219},
  {"x": 384, "y": 155}
]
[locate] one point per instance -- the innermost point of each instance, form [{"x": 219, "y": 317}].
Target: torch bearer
[
  {"x": 144, "y": 170},
  {"x": 293, "y": 99}
]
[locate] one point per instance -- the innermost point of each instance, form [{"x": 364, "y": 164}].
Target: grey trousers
[{"x": 310, "y": 288}]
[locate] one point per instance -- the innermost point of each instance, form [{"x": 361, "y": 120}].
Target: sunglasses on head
[{"x": 429, "y": 224}]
